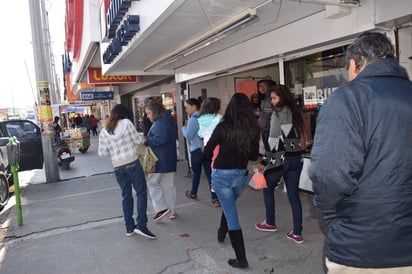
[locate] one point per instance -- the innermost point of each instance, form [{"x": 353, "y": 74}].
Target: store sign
[
  {"x": 94, "y": 95},
  {"x": 96, "y": 77}
]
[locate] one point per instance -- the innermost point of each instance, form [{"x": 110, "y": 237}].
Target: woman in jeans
[
  {"x": 119, "y": 139},
  {"x": 233, "y": 143},
  {"x": 197, "y": 158},
  {"x": 283, "y": 158}
]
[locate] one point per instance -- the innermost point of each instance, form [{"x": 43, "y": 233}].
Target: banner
[{"x": 45, "y": 110}]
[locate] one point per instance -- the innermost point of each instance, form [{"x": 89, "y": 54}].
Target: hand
[{"x": 260, "y": 167}]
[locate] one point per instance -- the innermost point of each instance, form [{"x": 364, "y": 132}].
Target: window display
[{"x": 312, "y": 79}]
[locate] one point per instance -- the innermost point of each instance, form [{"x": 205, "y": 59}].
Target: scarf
[{"x": 280, "y": 125}]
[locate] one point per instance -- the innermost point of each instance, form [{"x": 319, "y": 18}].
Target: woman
[
  {"x": 162, "y": 139},
  {"x": 209, "y": 117},
  {"x": 233, "y": 143},
  {"x": 119, "y": 139},
  {"x": 146, "y": 122},
  {"x": 283, "y": 158},
  {"x": 197, "y": 158}
]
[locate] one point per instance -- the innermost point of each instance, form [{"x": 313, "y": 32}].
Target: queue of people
[
  {"x": 360, "y": 161},
  {"x": 89, "y": 122}
]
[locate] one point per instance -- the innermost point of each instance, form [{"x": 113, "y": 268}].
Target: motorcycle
[{"x": 63, "y": 154}]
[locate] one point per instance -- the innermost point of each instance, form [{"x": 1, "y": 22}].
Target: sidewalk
[{"x": 76, "y": 226}]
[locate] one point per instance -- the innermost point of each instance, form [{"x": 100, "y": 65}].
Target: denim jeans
[
  {"x": 198, "y": 160},
  {"x": 292, "y": 167},
  {"x": 228, "y": 185},
  {"x": 129, "y": 175}
]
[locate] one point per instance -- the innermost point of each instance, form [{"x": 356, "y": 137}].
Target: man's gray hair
[{"x": 368, "y": 48}]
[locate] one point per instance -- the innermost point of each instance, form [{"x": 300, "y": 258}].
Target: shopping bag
[
  {"x": 257, "y": 181},
  {"x": 147, "y": 158}
]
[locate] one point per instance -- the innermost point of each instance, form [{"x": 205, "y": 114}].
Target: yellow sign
[{"x": 45, "y": 111}]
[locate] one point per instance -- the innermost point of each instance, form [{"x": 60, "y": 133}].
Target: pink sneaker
[
  {"x": 296, "y": 238},
  {"x": 266, "y": 227}
]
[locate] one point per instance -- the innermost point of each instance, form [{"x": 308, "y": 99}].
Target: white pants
[
  {"x": 335, "y": 268},
  {"x": 162, "y": 190}
]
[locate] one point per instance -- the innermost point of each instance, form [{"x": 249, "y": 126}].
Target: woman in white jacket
[{"x": 119, "y": 139}]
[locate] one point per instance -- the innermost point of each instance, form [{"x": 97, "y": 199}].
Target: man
[
  {"x": 362, "y": 163},
  {"x": 263, "y": 87}
]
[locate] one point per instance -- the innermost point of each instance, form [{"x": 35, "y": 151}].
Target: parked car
[{"x": 31, "y": 151}]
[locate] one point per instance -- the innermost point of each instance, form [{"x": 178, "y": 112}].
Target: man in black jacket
[{"x": 362, "y": 163}]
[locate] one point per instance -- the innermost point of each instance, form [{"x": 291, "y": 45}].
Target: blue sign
[{"x": 96, "y": 95}]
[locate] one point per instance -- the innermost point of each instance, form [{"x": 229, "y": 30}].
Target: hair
[
  {"x": 368, "y": 48},
  {"x": 286, "y": 98},
  {"x": 117, "y": 113},
  {"x": 146, "y": 101},
  {"x": 193, "y": 102},
  {"x": 56, "y": 119},
  {"x": 158, "y": 110},
  {"x": 210, "y": 105},
  {"x": 239, "y": 122}
]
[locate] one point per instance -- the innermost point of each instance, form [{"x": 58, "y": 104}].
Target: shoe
[
  {"x": 189, "y": 195},
  {"x": 266, "y": 227},
  {"x": 172, "y": 216},
  {"x": 215, "y": 203},
  {"x": 144, "y": 232},
  {"x": 161, "y": 214},
  {"x": 297, "y": 238},
  {"x": 130, "y": 233}
]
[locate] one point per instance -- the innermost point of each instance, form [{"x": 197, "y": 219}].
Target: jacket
[
  {"x": 362, "y": 168},
  {"x": 190, "y": 133},
  {"x": 223, "y": 152},
  {"x": 207, "y": 123},
  {"x": 122, "y": 145},
  {"x": 162, "y": 139},
  {"x": 283, "y": 139},
  {"x": 265, "y": 106}
]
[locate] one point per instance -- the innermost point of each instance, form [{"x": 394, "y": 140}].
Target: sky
[{"x": 19, "y": 83}]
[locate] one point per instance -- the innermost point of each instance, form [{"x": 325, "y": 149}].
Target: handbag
[
  {"x": 257, "y": 181},
  {"x": 147, "y": 158}
]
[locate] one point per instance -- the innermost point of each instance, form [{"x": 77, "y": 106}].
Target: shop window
[{"x": 313, "y": 78}]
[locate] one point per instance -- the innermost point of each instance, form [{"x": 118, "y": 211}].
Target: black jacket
[{"x": 362, "y": 168}]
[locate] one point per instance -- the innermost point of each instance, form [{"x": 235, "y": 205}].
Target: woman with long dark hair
[
  {"x": 119, "y": 139},
  {"x": 283, "y": 158},
  {"x": 233, "y": 143}
]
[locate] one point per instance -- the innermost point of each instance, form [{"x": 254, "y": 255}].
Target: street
[{"x": 76, "y": 226}]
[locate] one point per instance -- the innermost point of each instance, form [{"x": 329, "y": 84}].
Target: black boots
[
  {"x": 236, "y": 238},
  {"x": 222, "y": 230}
]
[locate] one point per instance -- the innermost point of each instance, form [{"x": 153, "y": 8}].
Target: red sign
[{"x": 96, "y": 77}]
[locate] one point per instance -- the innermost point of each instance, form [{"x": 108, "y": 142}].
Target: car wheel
[{"x": 4, "y": 190}]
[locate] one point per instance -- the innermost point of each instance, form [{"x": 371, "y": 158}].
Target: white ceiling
[{"x": 192, "y": 18}]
